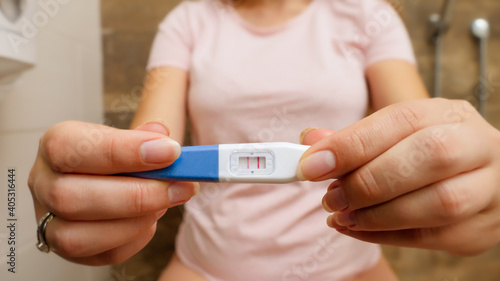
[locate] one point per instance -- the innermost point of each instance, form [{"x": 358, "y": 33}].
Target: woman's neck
[{"x": 270, "y": 13}]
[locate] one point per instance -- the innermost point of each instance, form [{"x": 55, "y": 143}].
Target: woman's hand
[
  {"x": 422, "y": 174},
  {"x": 101, "y": 219}
]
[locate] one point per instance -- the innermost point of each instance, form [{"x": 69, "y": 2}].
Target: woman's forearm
[
  {"x": 394, "y": 81},
  {"x": 164, "y": 99}
]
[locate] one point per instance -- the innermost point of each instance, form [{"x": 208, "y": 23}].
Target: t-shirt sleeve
[
  {"x": 388, "y": 37},
  {"x": 173, "y": 42}
]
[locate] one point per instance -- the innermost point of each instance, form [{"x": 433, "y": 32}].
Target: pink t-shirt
[{"x": 250, "y": 84}]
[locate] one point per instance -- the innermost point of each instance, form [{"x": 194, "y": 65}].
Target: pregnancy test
[{"x": 245, "y": 163}]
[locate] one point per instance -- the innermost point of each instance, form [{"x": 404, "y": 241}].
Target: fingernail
[
  {"x": 330, "y": 222},
  {"x": 155, "y": 125},
  {"x": 181, "y": 192},
  {"x": 304, "y": 133},
  {"x": 325, "y": 205},
  {"x": 333, "y": 185},
  {"x": 160, "y": 214},
  {"x": 160, "y": 126},
  {"x": 341, "y": 229},
  {"x": 160, "y": 151},
  {"x": 196, "y": 188},
  {"x": 345, "y": 219},
  {"x": 336, "y": 200},
  {"x": 316, "y": 165}
]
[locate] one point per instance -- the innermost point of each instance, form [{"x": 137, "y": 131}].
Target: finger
[
  {"x": 312, "y": 135},
  {"x": 88, "y": 238},
  {"x": 157, "y": 126},
  {"x": 356, "y": 145},
  {"x": 419, "y": 160},
  {"x": 413, "y": 238},
  {"x": 80, "y": 147},
  {"x": 459, "y": 239},
  {"x": 447, "y": 202},
  {"x": 83, "y": 197},
  {"x": 119, "y": 254}
]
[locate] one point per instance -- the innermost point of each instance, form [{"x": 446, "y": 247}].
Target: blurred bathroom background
[
  {"x": 86, "y": 61},
  {"x": 129, "y": 27},
  {"x": 50, "y": 71}
]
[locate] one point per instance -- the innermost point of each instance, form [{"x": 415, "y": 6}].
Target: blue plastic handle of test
[{"x": 196, "y": 163}]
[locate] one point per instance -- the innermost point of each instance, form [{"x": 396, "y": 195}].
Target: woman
[
  {"x": 262, "y": 71},
  {"x": 98, "y": 219}
]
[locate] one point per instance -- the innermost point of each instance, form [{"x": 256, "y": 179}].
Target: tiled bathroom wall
[
  {"x": 128, "y": 30},
  {"x": 460, "y": 80},
  {"x": 460, "y": 51},
  {"x": 65, "y": 84}
]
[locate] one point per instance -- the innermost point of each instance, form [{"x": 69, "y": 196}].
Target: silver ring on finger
[{"x": 42, "y": 244}]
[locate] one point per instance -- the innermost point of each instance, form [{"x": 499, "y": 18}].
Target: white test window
[{"x": 252, "y": 163}]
